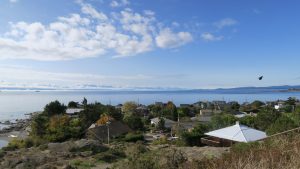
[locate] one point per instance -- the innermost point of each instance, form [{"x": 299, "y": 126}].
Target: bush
[
  {"x": 283, "y": 123},
  {"x": 82, "y": 164},
  {"x": 161, "y": 141},
  {"x": 112, "y": 155},
  {"x": 92, "y": 148},
  {"x": 14, "y": 145},
  {"x": 134, "y": 122},
  {"x": 24, "y": 143},
  {"x": 134, "y": 137},
  {"x": 54, "y": 108},
  {"x": 2, "y": 153},
  {"x": 193, "y": 138}
]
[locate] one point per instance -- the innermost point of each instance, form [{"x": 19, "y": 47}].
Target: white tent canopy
[{"x": 239, "y": 133}]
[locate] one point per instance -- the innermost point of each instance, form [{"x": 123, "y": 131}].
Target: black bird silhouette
[{"x": 261, "y": 77}]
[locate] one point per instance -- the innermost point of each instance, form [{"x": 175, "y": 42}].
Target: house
[
  {"x": 184, "y": 105},
  {"x": 73, "y": 112},
  {"x": 202, "y": 119},
  {"x": 161, "y": 104},
  {"x": 230, "y": 135},
  {"x": 240, "y": 114},
  {"x": 100, "y": 132},
  {"x": 208, "y": 112},
  {"x": 119, "y": 106},
  {"x": 219, "y": 103},
  {"x": 168, "y": 123}
]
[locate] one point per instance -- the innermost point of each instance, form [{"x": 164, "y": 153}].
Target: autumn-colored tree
[
  {"x": 129, "y": 108},
  {"x": 103, "y": 119}
]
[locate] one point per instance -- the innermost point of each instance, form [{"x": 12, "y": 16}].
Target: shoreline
[{"x": 15, "y": 129}]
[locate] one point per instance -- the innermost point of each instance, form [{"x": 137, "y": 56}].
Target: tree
[
  {"x": 266, "y": 117},
  {"x": 235, "y": 106},
  {"x": 193, "y": 138},
  {"x": 161, "y": 124},
  {"x": 84, "y": 101},
  {"x": 222, "y": 120},
  {"x": 283, "y": 123},
  {"x": 103, "y": 119},
  {"x": 113, "y": 112},
  {"x": 39, "y": 125},
  {"x": 73, "y": 104},
  {"x": 129, "y": 108},
  {"x": 170, "y": 111},
  {"x": 91, "y": 114},
  {"x": 155, "y": 110},
  {"x": 257, "y": 104},
  {"x": 248, "y": 121},
  {"x": 134, "y": 122},
  {"x": 291, "y": 101},
  {"x": 62, "y": 127},
  {"x": 54, "y": 108},
  {"x": 183, "y": 111}
]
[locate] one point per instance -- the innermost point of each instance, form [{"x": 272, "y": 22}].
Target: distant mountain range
[{"x": 238, "y": 90}]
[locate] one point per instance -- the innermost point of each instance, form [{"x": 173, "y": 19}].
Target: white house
[
  {"x": 238, "y": 133},
  {"x": 230, "y": 135},
  {"x": 73, "y": 112}
]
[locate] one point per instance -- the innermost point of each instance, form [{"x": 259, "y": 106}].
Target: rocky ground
[
  {"x": 52, "y": 155},
  {"x": 83, "y": 154}
]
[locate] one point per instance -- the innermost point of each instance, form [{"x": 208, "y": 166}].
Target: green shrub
[
  {"x": 134, "y": 137},
  {"x": 93, "y": 148},
  {"x": 161, "y": 141},
  {"x": 2, "y": 153},
  {"x": 112, "y": 155},
  {"x": 82, "y": 164}
]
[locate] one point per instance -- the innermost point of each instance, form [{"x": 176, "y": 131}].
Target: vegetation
[
  {"x": 279, "y": 152},
  {"x": 54, "y": 125}
]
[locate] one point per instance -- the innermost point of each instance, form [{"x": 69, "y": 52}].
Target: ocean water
[
  {"x": 14, "y": 104},
  {"x": 3, "y": 143}
]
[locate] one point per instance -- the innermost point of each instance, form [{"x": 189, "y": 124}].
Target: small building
[
  {"x": 100, "y": 132},
  {"x": 202, "y": 119},
  {"x": 184, "y": 105},
  {"x": 168, "y": 123},
  {"x": 240, "y": 114},
  {"x": 230, "y": 135},
  {"x": 208, "y": 112},
  {"x": 279, "y": 105},
  {"x": 119, "y": 106},
  {"x": 73, "y": 112}
]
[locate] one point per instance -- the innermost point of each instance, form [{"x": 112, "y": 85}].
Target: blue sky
[{"x": 169, "y": 43}]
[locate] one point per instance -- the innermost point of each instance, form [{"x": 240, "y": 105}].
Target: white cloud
[
  {"x": 88, "y": 9},
  {"x": 90, "y": 33},
  {"x": 226, "y": 22},
  {"x": 210, "y": 37},
  {"x": 119, "y": 3},
  {"x": 169, "y": 39}
]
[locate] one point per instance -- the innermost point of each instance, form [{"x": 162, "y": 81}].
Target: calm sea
[{"x": 14, "y": 104}]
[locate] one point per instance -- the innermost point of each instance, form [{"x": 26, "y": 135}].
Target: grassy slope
[{"x": 280, "y": 152}]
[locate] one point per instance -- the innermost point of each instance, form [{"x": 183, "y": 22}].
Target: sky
[{"x": 192, "y": 44}]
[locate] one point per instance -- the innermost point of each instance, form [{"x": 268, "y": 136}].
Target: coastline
[{"x": 18, "y": 129}]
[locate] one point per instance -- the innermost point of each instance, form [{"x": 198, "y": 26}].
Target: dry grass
[{"x": 281, "y": 152}]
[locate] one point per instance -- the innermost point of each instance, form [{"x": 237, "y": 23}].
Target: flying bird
[{"x": 261, "y": 77}]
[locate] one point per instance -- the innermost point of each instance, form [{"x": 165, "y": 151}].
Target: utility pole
[{"x": 107, "y": 124}]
